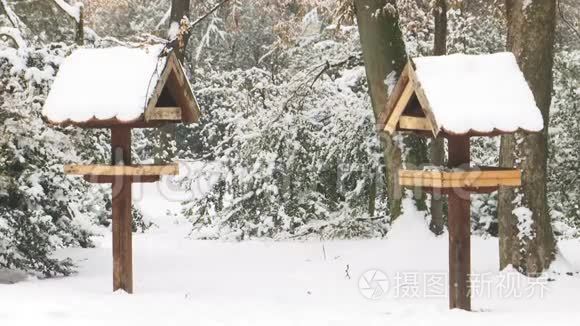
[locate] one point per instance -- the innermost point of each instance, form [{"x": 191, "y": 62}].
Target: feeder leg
[
  {"x": 122, "y": 220},
  {"x": 459, "y": 231},
  {"x": 459, "y": 252}
]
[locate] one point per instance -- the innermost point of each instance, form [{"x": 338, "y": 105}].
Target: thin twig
[
  {"x": 216, "y": 7},
  {"x": 568, "y": 23}
]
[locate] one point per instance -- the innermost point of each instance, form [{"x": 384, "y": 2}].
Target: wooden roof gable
[
  {"x": 408, "y": 97},
  {"x": 133, "y": 87},
  {"x": 174, "y": 84},
  {"x": 459, "y": 94}
]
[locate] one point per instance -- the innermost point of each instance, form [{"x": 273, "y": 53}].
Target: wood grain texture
[
  {"x": 126, "y": 170},
  {"x": 402, "y": 102},
  {"x": 414, "y": 123},
  {"x": 122, "y": 219},
  {"x": 393, "y": 99},
  {"x": 461, "y": 179},
  {"x": 163, "y": 113},
  {"x": 459, "y": 231},
  {"x": 423, "y": 100},
  {"x": 111, "y": 178}
]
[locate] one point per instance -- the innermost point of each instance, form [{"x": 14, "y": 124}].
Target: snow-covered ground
[{"x": 395, "y": 281}]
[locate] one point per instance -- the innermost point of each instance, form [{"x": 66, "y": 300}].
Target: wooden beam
[
  {"x": 414, "y": 123},
  {"x": 472, "y": 190},
  {"x": 112, "y": 123},
  {"x": 171, "y": 113},
  {"x": 459, "y": 231},
  {"x": 111, "y": 178},
  {"x": 191, "y": 111},
  {"x": 393, "y": 97},
  {"x": 161, "y": 81},
  {"x": 122, "y": 219},
  {"x": 126, "y": 170},
  {"x": 423, "y": 100},
  {"x": 399, "y": 108},
  {"x": 476, "y": 178},
  {"x": 442, "y": 183}
]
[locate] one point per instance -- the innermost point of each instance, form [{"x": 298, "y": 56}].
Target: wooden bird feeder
[
  {"x": 120, "y": 89},
  {"x": 457, "y": 97}
]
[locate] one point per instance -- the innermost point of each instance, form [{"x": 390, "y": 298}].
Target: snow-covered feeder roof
[
  {"x": 462, "y": 95},
  {"x": 138, "y": 87}
]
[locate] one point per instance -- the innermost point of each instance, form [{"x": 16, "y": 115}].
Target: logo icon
[{"x": 373, "y": 284}]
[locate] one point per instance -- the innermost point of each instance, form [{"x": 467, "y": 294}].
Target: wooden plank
[
  {"x": 183, "y": 97},
  {"x": 420, "y": 174},
  {"x": 122, "y": 219},
  {"x": 399, "y": 108},
  {"x": 483, "y": 174},
  {"x": 393, "y": 97},
  {"x": 480, "y": 172},
  {"x": 111, "y": 178},
  {"x": 421, "y": 182},
  {"x": 459, "y": 231},
  {"x": 414, "y": 123},
  {"x": 192, "y": 112},
  {"x": 481, "y": 183},
  {"x": 126, "y": 170},
  {"x": 475, "y": 178},
  {"x": 171, "y": 113},
  {"x": 423, "y": 100},
  {"x": 447, "y": 191},
  {"x": 440, "y": 183},
  {"x": 158, "y": 88}
]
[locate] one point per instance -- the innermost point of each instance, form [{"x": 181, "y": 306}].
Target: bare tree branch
[
  {"x": 72, "y": 11},
  {"x": 12, "y": 17},
  {"x": 200, "y": 19},
  {"x": 14, "y": 35},
  {"x": 76, "y": 13},
  {"x": 566, "y": 21}
]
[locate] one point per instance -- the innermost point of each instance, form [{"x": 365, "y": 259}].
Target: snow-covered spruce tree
[
  {"x": 289, "y": 159},
  {"x": 40, "y": 208}
]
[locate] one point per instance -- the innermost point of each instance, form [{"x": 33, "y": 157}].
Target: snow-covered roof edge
[
  {"x": 109, "y": 103},
  {"x": 532, "y": 121}
]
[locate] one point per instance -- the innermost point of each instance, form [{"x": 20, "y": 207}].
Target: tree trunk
[
  {"x": 383, "y": 53},
  {"x": 529, "y": 247},
  {"x": 165, "y": 150},
  {"x": 179, "y": 9},
  {"x": 80, "y": 28},
  {"x": 437, "y": 146}
]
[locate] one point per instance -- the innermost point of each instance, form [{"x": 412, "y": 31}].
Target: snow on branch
[
  {"x": 164, "y": 18},
  {"x": 12, "y": 17},
  {"x": 72, "y": 10},
  {"x": 14, "y": 34}
]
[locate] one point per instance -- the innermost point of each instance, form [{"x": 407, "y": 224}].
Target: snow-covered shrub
[
  {"x": 40, "y": 208},
  {"x": 292, "y": 158},
  {"x": 564, "y": 141}
]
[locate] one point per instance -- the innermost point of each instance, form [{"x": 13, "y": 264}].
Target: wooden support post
[
  {"x": 459, "y": 230},
  {"x": 122, "y": 220}
]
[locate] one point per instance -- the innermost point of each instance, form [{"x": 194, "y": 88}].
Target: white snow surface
[
  {"x": 478, "y": 93},
  {"x": 178, "y": 281},
  {"x": 104, "y": 84}
]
